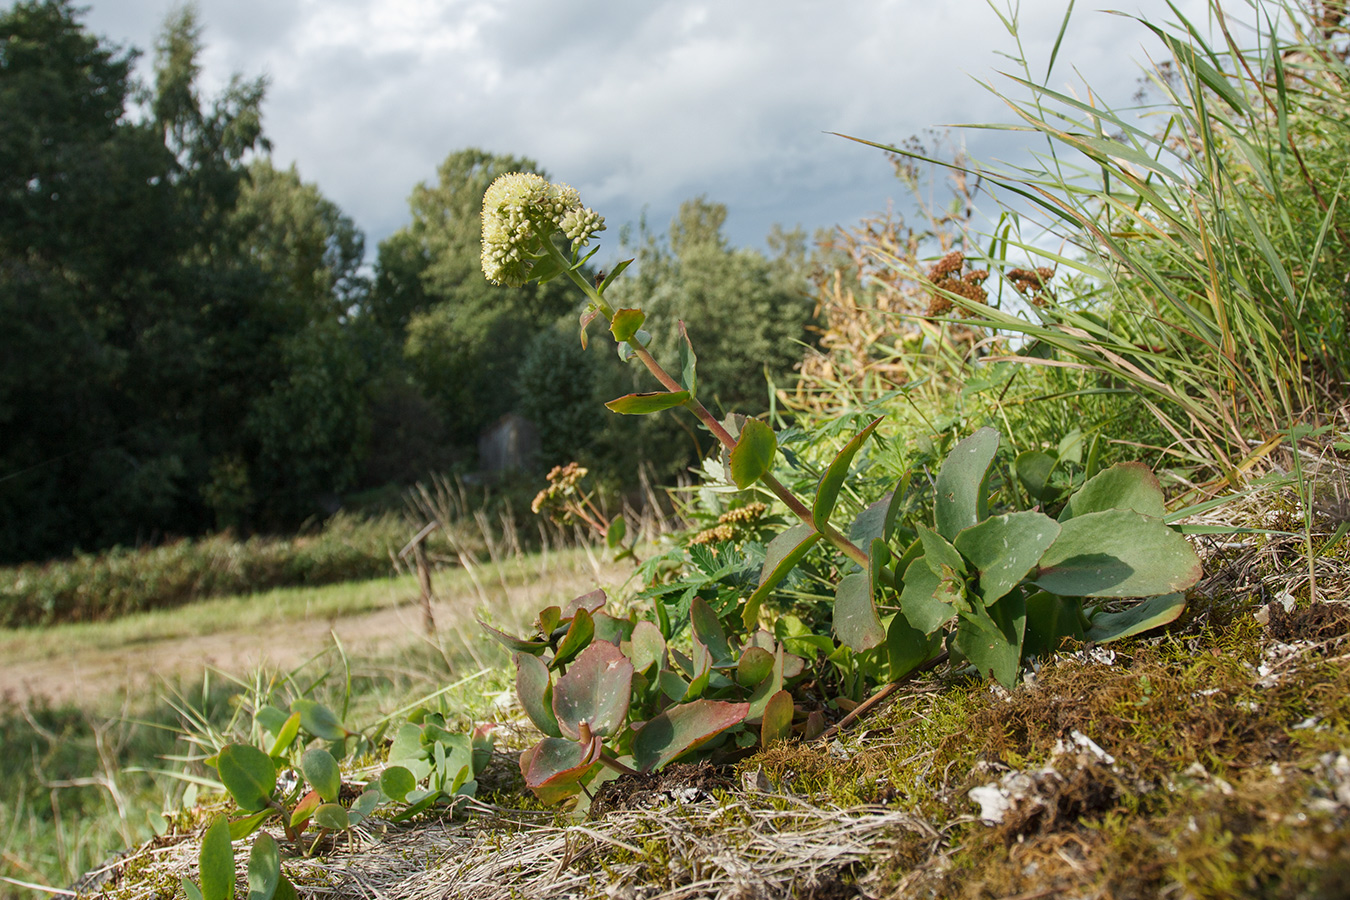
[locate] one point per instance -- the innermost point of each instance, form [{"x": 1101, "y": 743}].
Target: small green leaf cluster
[
  {"x": 297, "y": 781},
  {"x": 997, "y": 589},
  {"x": 618, "y": 693}
]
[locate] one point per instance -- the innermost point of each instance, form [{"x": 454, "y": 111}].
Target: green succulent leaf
[
  {"x": 595, "y": 692},
  {"x": 708, "y": 628},
  {"x": 626, "y": 323},
  {"x": 592, "y": 602},
  {"x": 614, "y": 273},
  {"x": 777, "y": 723},
  {"x": 513, "y": 643},
  {"x": 755, "y": 665},
  {"x": 783, "y": 553},
  {"x": 319, "y": 720},
  {"x": 616, "y": 532},
  {"x": 396, "y": 782},
  {"x": 753, "y": 454},
  {"x": 992, "y": 639},
  {"x": 646, "y": 402},
  {"x": 264, "y": 868},
  {"x": 579, "y": 635},
  {"x": 242, "y": 828},
  {"x": 270, "y": 719},
  {"x": 365, "y": 804},
  {"x": 1004, "y": 549},
  {"x": 939, "y": 554},
  {"x": 962, "y": 493},
  {"x": 1151, "y": 613},
  {"x": 1117, "y": 553},
  {"x": 688, "y": 363},
  {"x": 248, "y": 774},
  {"x": 648, "y": 647},
  {"x": 1051, "y": 619},
  {"x": 827, "y": 491},
  {"x": 874, "y": 521},
  {"x": 683, "y": 728},
  {"x": 1033, "y": 468},
  {"x": 928, "y": 600},
  {"x": 907, "y": 647},
  {"x": 612, "y": 629},
  {"x": 215, "y": 861},
  {"x": 305, "y": 808},
  {"x": 322, "y": 773},
  {"x": 553, "y": 768},
  {"x": 1129, "y": 485},
  {"x": 332, "y": 817},
  {"x": 286, "y": 734},
  {"x": 285, "y": 890},
  {"x": 190, "y": 888},
  {"x": 855, "y": 615},
  {"x": 534, "y": 688}
]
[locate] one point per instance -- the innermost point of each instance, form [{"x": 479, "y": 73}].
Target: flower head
[{"x": 521, "y": 211}]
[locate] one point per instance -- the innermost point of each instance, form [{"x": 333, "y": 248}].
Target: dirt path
[{"x": 80, "y": 674}]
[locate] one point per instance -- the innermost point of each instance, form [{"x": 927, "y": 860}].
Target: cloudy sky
[{"x": 637, "y": 103}]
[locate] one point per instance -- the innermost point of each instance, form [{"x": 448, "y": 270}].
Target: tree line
[{"x": 191, "y": 338}]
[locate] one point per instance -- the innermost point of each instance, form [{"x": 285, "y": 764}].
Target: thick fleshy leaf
[
  {"x": 626, "y": 323},
  {"x": 614, "y": 273},
  {"x": 1129, "y": 485},
  {"x": 1152, "y": 613},
  {"x": 365, "y": 804},
  {"x": 754, "y": 666},
  {"x": 871, "y": 522},
  {"x": 939, "y": 553},
  {"x": 332, "y": 817},
  {"x": 1004, "y": 549},
  {"x": 594, "y": 692},
  {"x": 322, "y": 773},
  {"x": 554, "y": 767},
  {"x": 270, "y": 719},
  {"x": 481, "y": 744},
  {"x": 616, "y": 532},
  {"x": 190, "y": 889},
  {"x": 592, "y": 602},
  {"x": 962, "y": 495},
  {"x": 1050, "y": 619},
  {"x": 264, "y": 867},
  {"x": 286, "y": 735},
  {"x": 534, "y": 688},
  {"x": 927, "y": 599},
  {"x": 647, "y": 402},
  {"x": 586, "y": 319},
  {"x": 827, "y": 491},
  {"x": 304, "y": 809},
  {"x": 771, "y": 685},
  {"x": 579, "y": 635},
  {"x": 855, "y": 615},
  {"x": 648, "y": 647},
  {"x": 1033, "y": 469},
  {"x": 319, "y": 720},
  {"x": 907, "y": 648},
  {"x": 682, "y": 729},
  {"x": 992, "y": 639},
  {"x": 285, "y": 890},
  {"x": 612, "y": 629},
  {"x": 777, "y": 722},
  {"x": 248, "y": 774},
  {"x": 242, "y": 828},
  {"x": 753, "y": 454},
  {"x": 407, "y": 743},
  {"x": 215, "y": 860},
  {"x": 708, "y": 628},
  {"x": 396, "y": 781},
  {"x": 1117, "y": 553},
  {"x": 688, "y": 377},
  {"x": 513, "y": 643},
  {"x": 782, "y": 554},
  {"x": 700, "y": 671}
]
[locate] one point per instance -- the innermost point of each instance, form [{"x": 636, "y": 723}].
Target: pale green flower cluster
[{"x": 520, "y": 212}]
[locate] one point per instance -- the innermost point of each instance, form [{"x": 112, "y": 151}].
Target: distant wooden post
[{"x": 423, "y": 572}]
